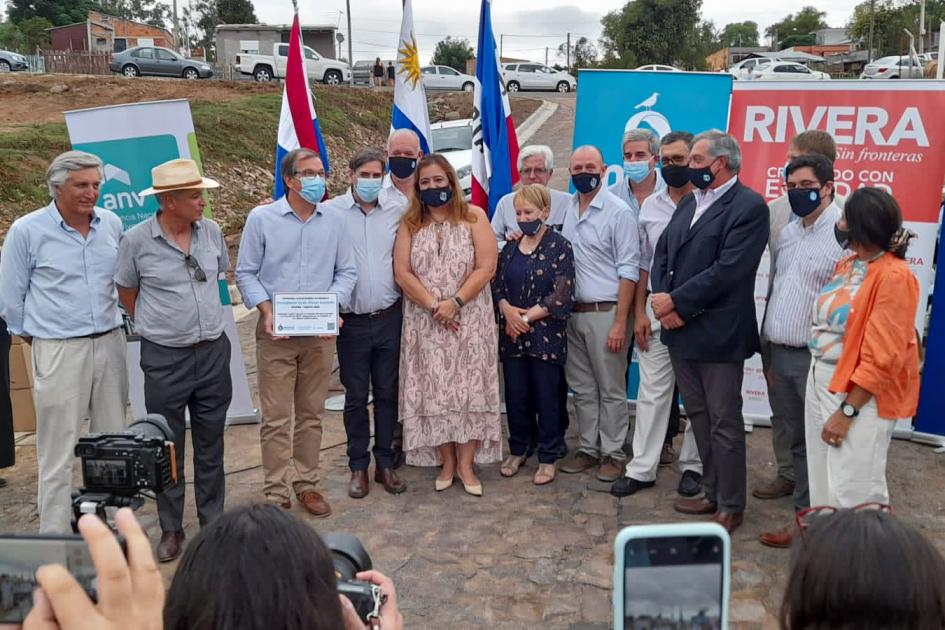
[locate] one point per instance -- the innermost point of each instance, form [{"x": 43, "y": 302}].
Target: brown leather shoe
[
  {"x": 696, "y": 506},
  {"x": 579, "y": 462},
  {"x": 315, "y": 504},
  {"x": 391, "y": 482},
  {"x": 729, "y": 520},
  {"x": 170, "y": 546},
  {"x": 668, "y": 455},
  {"x": 774, "y": 489},
  {"x": 359, "y": 486},
  {"x": 780, "y": 539},
  {"x": 282, "y": 502},
  {"x": 610, "y": 470}
]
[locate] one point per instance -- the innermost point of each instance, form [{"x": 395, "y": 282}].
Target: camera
[
  {"x": 350, "y": 558},
  {"x": 117, "y": 467}
]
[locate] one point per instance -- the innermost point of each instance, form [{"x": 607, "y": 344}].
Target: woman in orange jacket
[{"x": 865, "y": 370}]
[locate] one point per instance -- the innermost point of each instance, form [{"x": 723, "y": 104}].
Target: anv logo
[
  {"x": 119, "y": 175},
  {"x": 657, "y": 122}
]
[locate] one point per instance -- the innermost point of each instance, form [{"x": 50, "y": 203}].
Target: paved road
[{"x": 557, "y": 133}]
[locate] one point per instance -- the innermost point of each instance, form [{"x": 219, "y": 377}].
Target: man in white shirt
[
  {"x": 807, "y": 256},
  {"x": 536, "y": 165},
  {"x": 403, "y": 154},
  {"x": 657, "y": 396},
  {"x": 641, "y": 152}
]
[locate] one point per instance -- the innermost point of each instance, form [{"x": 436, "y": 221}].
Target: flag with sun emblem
[{"x": 410, "y": 100}]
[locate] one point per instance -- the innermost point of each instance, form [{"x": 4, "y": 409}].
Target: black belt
[
  {"x": 784, "y": 345},
  {"x": 372, "y": 315},
  {"x": 97, "y": 335}
]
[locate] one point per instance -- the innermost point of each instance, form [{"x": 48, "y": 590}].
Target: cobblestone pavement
[{"x": 520, "y": 555}]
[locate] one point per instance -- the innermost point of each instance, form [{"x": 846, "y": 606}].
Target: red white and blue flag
[
  {"x": 298, "y": 124},
  {"x": 495, "y": 147}
]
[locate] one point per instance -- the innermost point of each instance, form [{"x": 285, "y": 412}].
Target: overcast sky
[{"x": 528, "y": 25}]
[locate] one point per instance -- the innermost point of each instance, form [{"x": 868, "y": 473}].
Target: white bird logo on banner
[{"x": 650, "y": 102}]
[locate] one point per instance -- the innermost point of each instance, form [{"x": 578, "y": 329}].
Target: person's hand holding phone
[{"x": 130, "y": 592}]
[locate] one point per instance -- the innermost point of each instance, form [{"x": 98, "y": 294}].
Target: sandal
[
  {"x": 546, "y": 474},
  {"x": 511, "y": 465}
]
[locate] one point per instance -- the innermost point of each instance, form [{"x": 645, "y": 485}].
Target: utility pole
[
  {"x": 176, "y": 29},
  {"x": 348, "y": 15},
  {"x": 567, "y": 47},
  {"x": 921, "y": 27},
  {"x": 546, "y": 55},
  {"x": 501, "y": 45},
  {"x": 872, "y": 20}
]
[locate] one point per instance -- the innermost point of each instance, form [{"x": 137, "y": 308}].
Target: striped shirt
[{"x": 807, "y": 259}]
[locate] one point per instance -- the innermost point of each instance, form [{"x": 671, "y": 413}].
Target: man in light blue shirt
[
  {"x": 369, "y": 342},
  {"x": 536, "y": 165},
  {"x": 604, "y": 235},
  {"x": 57, "y": 291},
  {"x": 641, "y": 178},
  {"x": 292, "y": 246}
]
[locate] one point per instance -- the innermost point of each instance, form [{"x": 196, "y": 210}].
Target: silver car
[
  {"x": 158, "y": 62},
  {"x": 893, "y": 68},
  {"x": 446, "y": 78},
  {"x": 535, "y": 76}
]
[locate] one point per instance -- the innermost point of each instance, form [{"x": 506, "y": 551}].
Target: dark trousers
[
  {"x": 789, "y": 369},
  {"x": 195, "y": 379},
  {"x": 672, "y": 428},
  {"x": 712, "y": 394},
  {"x": 7, "y": 447},
  {"x": 533, "y": 387},
  {"x": 369, "y": 356},
  {"x": 565, "y": 419}
]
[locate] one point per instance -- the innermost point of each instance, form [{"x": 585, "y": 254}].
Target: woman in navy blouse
[{"x": 533, "y": 291}]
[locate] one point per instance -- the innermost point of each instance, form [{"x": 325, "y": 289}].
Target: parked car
[
  {"x": 928, "y": 57},
  {"x": 270, "y": 67},
  {"x": 446, "y": 78},
  {"x": 453, "y": 138},
  {"x": 362, "y": 73},
  {"x": 158, "y": 62},
  {"x": 534, "y": 76},
  {"x": 743, "y": 69},
  {"x": 893, "y": 68},
  {"x": 656, "y": 67},
  {"x": 12, "y": 62},
  {"x": 788, "y": 71}
]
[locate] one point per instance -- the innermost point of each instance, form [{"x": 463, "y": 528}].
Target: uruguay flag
[
  {"x": 410, "y": 100},
  {"x": 298, "y": 124},
  {"x": 495, "y": 147}
]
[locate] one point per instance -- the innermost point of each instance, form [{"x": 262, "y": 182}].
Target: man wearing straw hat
[{"x": 167, "y": 274}]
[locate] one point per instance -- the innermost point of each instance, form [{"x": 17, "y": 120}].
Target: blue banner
[{"x": 930, "y": 419}]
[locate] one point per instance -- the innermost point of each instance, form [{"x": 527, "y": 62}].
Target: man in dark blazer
[{"x": 703, "y": 278}]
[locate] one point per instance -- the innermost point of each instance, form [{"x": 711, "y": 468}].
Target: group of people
[
  {"x": 434, "y": 296},
  {"x": 378, "y": 73}
]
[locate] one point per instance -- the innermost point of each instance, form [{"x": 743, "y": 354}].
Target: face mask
[
  {"x": 530, "y": 228},
  {"x": 368, "y": 189},
  {"x": 675, "y": 176},
  {"x": 436, "y": 197},
  {"x": 842, "y": 236},
  {"x": 402, "y": 167},
  {"x": 586, "y": 182},
  {"x": 313, "y": 188},
  {"x": 636, "y": 172},
  {"x": 703, "y": 177},
  {"x": 804, "y": 200}
]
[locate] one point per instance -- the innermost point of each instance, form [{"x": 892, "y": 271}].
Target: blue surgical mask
[
  {"x": 636, "y": 172},
  {"x": 313, "y": 189},
  {"x": 368, "y": 189}
]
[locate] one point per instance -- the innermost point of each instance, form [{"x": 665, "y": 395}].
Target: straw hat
[{"x": 177, "y": 175}]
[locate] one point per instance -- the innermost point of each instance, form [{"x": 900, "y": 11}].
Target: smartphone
[
  {"x": 21, "y": 556},
  {"x": 672, "y": 576}
]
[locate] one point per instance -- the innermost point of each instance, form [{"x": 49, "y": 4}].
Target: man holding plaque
[
  {"x": 369, "y": 343},
  {"x": 295, "y": 265}
]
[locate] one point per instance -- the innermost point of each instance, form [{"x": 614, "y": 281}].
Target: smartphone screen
[
  {"x": 20, "y": 556},
  {"x": 673, "y": 582}
]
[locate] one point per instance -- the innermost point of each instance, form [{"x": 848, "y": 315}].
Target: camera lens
[
  {"x": 152, "y": 425},
  {"x": 348, "y": 554}
]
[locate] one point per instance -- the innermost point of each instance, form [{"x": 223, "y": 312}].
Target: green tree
[
  {"x": 889, "y": 20},
  {"x": 804, "y": 22},
  {"x": 203, "y": 16},
  {"x": 153, "y": 12},
  {"x": 11, "y": 38},
  {"x": 653, "y": 31},
  {"x": 739, "y": 34},
  {"x": 34, "y": 32},
  {"x": 583, "y": 54},
  {"x": 58, "y": 12},
  {"x": 452, "y": 52}
]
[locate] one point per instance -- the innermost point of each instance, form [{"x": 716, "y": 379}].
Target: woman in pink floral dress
[{"x": 444, "y": 257}]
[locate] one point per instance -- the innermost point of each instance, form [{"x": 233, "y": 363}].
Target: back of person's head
[
  {"x": 254, "y": 568},
  {"x": 874, "y": 218},
  {"x": 815, "y": 141},
  {"x": 864, "y": 570}
]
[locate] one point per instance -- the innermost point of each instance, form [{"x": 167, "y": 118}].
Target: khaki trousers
[
  {"x": 74, "y": 379},
  {"x": 295, "y": 373}
]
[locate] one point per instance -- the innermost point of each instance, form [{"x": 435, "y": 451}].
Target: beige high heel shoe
[
  {"x": 443, "y": 484},
  {"x": 475, "y": 490}
]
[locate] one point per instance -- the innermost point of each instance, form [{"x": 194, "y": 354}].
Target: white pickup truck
[{"x": 269, "y": 67}]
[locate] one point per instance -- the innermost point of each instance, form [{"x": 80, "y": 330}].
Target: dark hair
[
  {"x": 822, "y": 167},
  {"x": 254, "y": 568},
  {"x": 289, "y": 160},
  {"x": 864, "y": 570},
  {"x": 816, "y": 141},
  {"x": 364, "y": 156},
  {"x": 874, "y": 218},
  {"x": 676, "y": 136}
]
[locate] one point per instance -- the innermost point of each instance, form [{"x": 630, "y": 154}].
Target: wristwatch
[
  {"x": 458, "y": 301},
  {"x": 525, "y": 319},
  {"x": 849, "y": 410}
]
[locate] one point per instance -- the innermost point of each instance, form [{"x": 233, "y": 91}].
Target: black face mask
[
  {"x": 402, "y": 167},
  {"x": 436, "y": 197},
  {"x": 701, "y": 178},
  {"x": 586, "y": 182},
  {"x": 842, "y": 236},
  {"x": 675, "y": 176},
  {"x": 804, "y": 200},
  {"x": 530, "y": 228}
]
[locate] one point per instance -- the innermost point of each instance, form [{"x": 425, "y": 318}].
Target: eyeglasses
[
  {"x": 674, "y": 161},
  {"x": 191, "y": 262},
  {"x": 806, "y": 518},
  {"x": 534, "y": 171}
]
